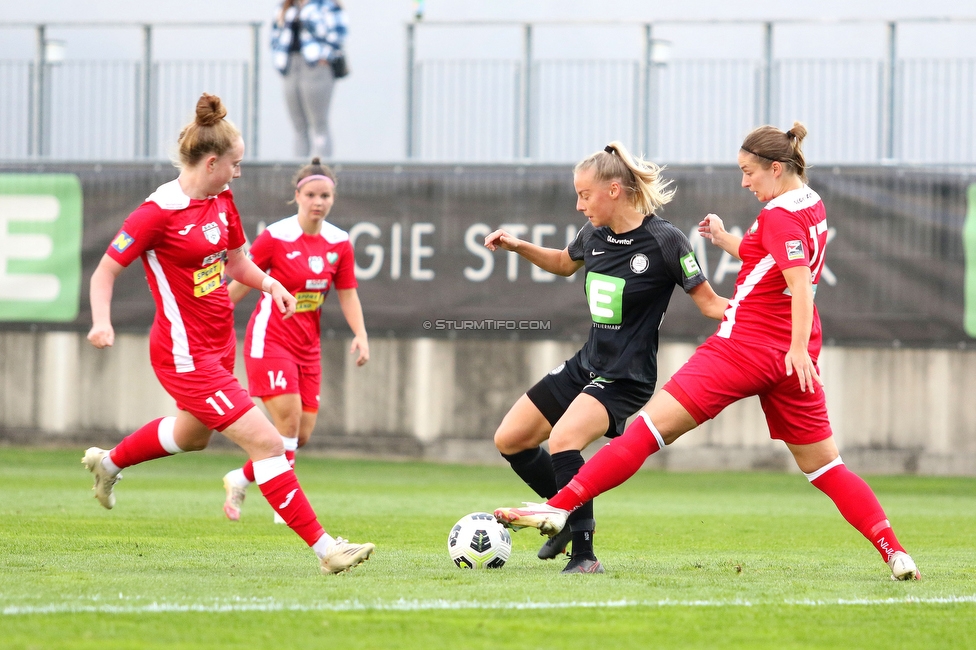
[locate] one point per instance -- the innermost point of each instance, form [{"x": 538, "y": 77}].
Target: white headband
[{"x": 314, "y": 177}]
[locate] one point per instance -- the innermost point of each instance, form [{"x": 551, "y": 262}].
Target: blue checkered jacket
[{"x": 323, "y": 29}]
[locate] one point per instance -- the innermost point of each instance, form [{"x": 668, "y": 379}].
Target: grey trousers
[{"x": 308, "y": 92}]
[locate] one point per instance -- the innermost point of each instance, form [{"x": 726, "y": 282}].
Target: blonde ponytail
[{"x": 640, "y": 178}]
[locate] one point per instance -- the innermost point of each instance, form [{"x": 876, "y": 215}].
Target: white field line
[{"x": 270, "y": 605}]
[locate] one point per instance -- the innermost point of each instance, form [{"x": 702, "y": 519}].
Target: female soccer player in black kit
[{"x": 633, "y": 260}]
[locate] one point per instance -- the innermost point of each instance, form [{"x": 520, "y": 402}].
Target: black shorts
[{"x": 553, "y": 394}]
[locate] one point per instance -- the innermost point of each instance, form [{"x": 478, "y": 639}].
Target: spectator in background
[{"x": 306, "y": 40}]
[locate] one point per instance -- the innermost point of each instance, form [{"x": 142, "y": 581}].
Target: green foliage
[{"x": 693, "y": 560}]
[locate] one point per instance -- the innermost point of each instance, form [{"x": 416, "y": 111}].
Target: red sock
[
  {"x": 290, "y": 457},
  {"x": 287, "y": 498},
  {"x": 616, "y": 462},
  {"x": 857, "y": 503},
  {"x": 139, "y": 446}
]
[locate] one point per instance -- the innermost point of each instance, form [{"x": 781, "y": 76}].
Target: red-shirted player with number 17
[
  {"x": 770, "y": 332},
  {"x": 309, "y": 256},
  {"x": 188, "y": 233}
]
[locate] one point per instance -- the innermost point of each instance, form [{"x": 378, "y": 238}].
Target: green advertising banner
[
  {"x": 900, "y": 267},
  {"x": 40, "y": 247}
]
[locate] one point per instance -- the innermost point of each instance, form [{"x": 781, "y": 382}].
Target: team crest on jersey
[
  {"x": 794, "y": 250},
  {"x": 639, "y": 263},
  {"x": 754, "y": 227},
  {"x": 332, "y": 256},
  {"x": 316, "y": 263},
  {"x": 212, "y": 232}
]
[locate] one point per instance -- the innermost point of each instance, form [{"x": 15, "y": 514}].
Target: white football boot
[
  {"x": 903, "y": 567},
  {"x": 104, "y": 481},
  {"x": 547, "y": 519},
  {"x": 344, "y": 555},
  {"x": 235, "y": 497}
]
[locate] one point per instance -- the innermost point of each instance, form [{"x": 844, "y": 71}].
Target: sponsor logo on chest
[
  {"x": 210, "y": 259},
  {"x": 613, "y": 240},
  {"x": 212, "y": 232}
]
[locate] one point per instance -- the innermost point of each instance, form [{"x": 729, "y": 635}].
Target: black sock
[
  {"x": 566, "y": 464},
  {"x": 583, "y": 544},
  {"x": 534, "y": 466}
]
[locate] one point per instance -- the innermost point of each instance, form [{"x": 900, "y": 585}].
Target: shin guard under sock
[
  {"x": 616, "y": 462},
  {"x": 534, "y": 466},
  {"x": 858, "y": 504},
  {"x": 280, "y": 487},
  {"x": 566, "y": 464},
  {"x": 153, "y": 440}
]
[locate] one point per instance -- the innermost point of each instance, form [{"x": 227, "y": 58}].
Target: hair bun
[
  {"x": 798, "y": 132},
  {"x": 210, "y": 110},
  {"x": 316, "y": 160}
]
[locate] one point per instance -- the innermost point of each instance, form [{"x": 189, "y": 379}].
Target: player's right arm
[
  {"x": 102, "y": 334},
  {"x": 552, "y": 260},
  {"x": 712, "y": 228}
]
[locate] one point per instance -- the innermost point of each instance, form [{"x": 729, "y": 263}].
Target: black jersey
[{"x": 629, "y": 281}]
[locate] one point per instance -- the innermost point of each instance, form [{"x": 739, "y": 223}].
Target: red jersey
[
  {"x": 183, "y": 243},
  {"x": 790, "y": 231},
  {"x": 308, "y": 266}
]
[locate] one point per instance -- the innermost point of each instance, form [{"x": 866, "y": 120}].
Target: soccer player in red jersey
[
  {"x": 309, "y": 256},
  {"x": 188, "y": 234},
  {"x": 767, "y": 345}
]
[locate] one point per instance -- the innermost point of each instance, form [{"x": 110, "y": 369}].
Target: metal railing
[
  {"x": 117, "y": 109},
  {"x": 864, "y": 110}
]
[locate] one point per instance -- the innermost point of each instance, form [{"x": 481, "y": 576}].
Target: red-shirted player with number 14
[
  {"x": 309, "y": 256},
  {"x": 770, "y": 332},
  {"x": 188, "y": 233}
]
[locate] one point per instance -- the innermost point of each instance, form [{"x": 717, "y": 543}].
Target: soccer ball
[{"x": 477, "y": 541}]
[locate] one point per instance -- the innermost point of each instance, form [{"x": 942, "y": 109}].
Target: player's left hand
[
  {"x": 285, "y": 302},
  {"x": 806, "y": 372},
  {"x": 361, "y": 345}
]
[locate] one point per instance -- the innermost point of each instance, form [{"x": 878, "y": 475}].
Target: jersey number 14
[{"x": 278, "y": 381}]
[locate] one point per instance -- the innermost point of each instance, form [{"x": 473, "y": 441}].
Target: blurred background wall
[{"x": 464, "y": 116}]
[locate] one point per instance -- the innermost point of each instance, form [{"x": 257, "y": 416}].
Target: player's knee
[
  {"x": 194, "y": 441},
  {"x": 509, "y": 441}
]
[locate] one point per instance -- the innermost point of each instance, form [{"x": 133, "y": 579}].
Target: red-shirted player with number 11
[
  {"x": 188, "y": 233},
  {"x": 309, "y": 256},
  {"x": 767, "y": 345}
]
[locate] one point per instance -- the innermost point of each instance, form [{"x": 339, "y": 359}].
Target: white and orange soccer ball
[{"x": 477, "y": 541}]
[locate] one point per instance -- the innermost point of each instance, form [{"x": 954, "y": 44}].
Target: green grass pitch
[{"x": 738, "y": 560}]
